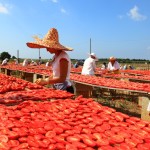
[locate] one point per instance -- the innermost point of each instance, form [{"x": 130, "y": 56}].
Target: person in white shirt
[
  {"x": 61, "y": 63},
  {"x": 33, "y": 63},
  {"x": 16, "y": 61},
  {"x": 48, "y": 63},
  {"x": 113, "y": 65},
  {"x": 5, "y": 61},
  {"x": 25, "y": 62},
  {"x": 89, "y": 66},
  {"x": 104, "y": 66}
]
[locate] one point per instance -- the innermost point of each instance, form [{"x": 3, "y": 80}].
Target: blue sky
[{"x": 119, "y": 28}]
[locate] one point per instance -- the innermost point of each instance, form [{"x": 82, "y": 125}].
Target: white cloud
[
  {"x": 54, "y": 1},
  {"x": 3, "y": 9},
  {"x": 63, "y": 10},
  {"x": 135, "y": 15}
]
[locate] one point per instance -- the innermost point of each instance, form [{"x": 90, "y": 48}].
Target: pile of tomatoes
[
  {"x": 35, "y": 95},
  {"x": 111, "y": 83},
  {"x": 10, "y": 83},
  {"x": 80, "y": 124}
]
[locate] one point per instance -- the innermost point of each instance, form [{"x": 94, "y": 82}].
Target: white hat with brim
[
  {"x": 112, "y": 58},
  {"x": 94, "y": 55}
]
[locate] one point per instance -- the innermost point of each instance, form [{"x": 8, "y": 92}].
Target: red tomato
[
  {"x": 69, "y": 132},
  {"x": 99, "y": 129},
  {"x": 105, "y": 126},
  {"x": 22, "y": 133},
  {"x": 119, "y": 118},
  {"x": 23, "y": 139},
  {"x": 125, "y": 146},
  {"x": 32, "y": 131},
  {"x": 102, "y": 142},
  {"x": 79, "y": 145},
  {"x": 107, "y": 147},
  {"x": 97, "y": 136},
  {"x": 3, "y": 138},
  {"x": 58, "y": 130},
  {"x": 130, "y": 142},
  {"x": 59, "y": 139},
  {"x": 12, "y": 135},
  {"x": 49, "y": 126},
  {"x": 86, "y": 131},
  {"x": 64, "y": 126},
  {"x": 67, "y": 111},
  {"x": 115, "y": 139},
  {"x": 4, "y": 146},
  {"x": 50, "y": 134},
  {"x": 46, "y": 142},
  {"x": 71, "y": 147},
  {"x": 92, "y": 125},
  {"x": 138, "y": 141},
  {"x": 147, "y": 140},
  {"x": 13, "y": 143},
  {"x": 33, "y": 143},
  {"x": 23, "y": 146},
  {"x": 147, "y": 129},
  {"x": 41, "y": 144},
  {"x": 41, "y": 131},
  {"x": 52, "y": 147},
  {"x": 89, "y": 148},
  {"x": 131, "y": 121},
  {"x": 88, "y": 136},
  {"x": 145, "y": 146},
  {"x": 72, "y": 139},
  {"x": 39, "y": 136},
  {"x": 124, "y": 134},
  {"x": 89, "y": 142},
  {"x": 60, "y": 146}
]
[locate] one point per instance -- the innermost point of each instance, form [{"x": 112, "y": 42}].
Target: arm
[{"x": 63, "y": 73}]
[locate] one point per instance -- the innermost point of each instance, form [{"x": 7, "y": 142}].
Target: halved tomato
[
  {"x": 3, "y": 138},
  {"x": 72, "y": 139}
]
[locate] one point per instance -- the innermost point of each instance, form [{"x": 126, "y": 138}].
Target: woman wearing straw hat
[
  {"x": 61, "y": 63},
  {"x": 113, "y": 65}
]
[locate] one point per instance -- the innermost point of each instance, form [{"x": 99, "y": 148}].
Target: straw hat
[{"x": 51, "y": 40}]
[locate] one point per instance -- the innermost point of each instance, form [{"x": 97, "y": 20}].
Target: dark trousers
[{"x": 70, "y": 89}]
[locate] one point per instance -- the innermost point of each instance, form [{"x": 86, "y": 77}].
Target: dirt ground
[{"x": 126, "y": 106}]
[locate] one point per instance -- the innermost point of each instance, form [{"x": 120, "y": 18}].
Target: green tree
[
  {"x": 13, "y": 57},
  {"x": 4, "y": 55}
]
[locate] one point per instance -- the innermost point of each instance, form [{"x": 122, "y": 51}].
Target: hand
[{"x": 41, "y": 81}]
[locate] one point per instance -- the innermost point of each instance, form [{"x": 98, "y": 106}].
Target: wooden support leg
[
  {"x": 84, "y": 90},
  {"x": 144, "y": 113}
]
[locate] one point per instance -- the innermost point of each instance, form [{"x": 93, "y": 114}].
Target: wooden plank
[
  {"x": 81, "y": 89},
  {"x": 139, "y": 80}
]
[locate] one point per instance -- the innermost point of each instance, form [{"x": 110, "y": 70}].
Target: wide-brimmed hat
[
  {"x": 51, "y": 40},
  {"x": 112, "y": 58}
]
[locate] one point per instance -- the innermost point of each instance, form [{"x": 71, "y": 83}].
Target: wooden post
[
  {"x": 144, "y": 112},
  {"x": 7, "y": 71},
  {"x": 82, "y": 89}
]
